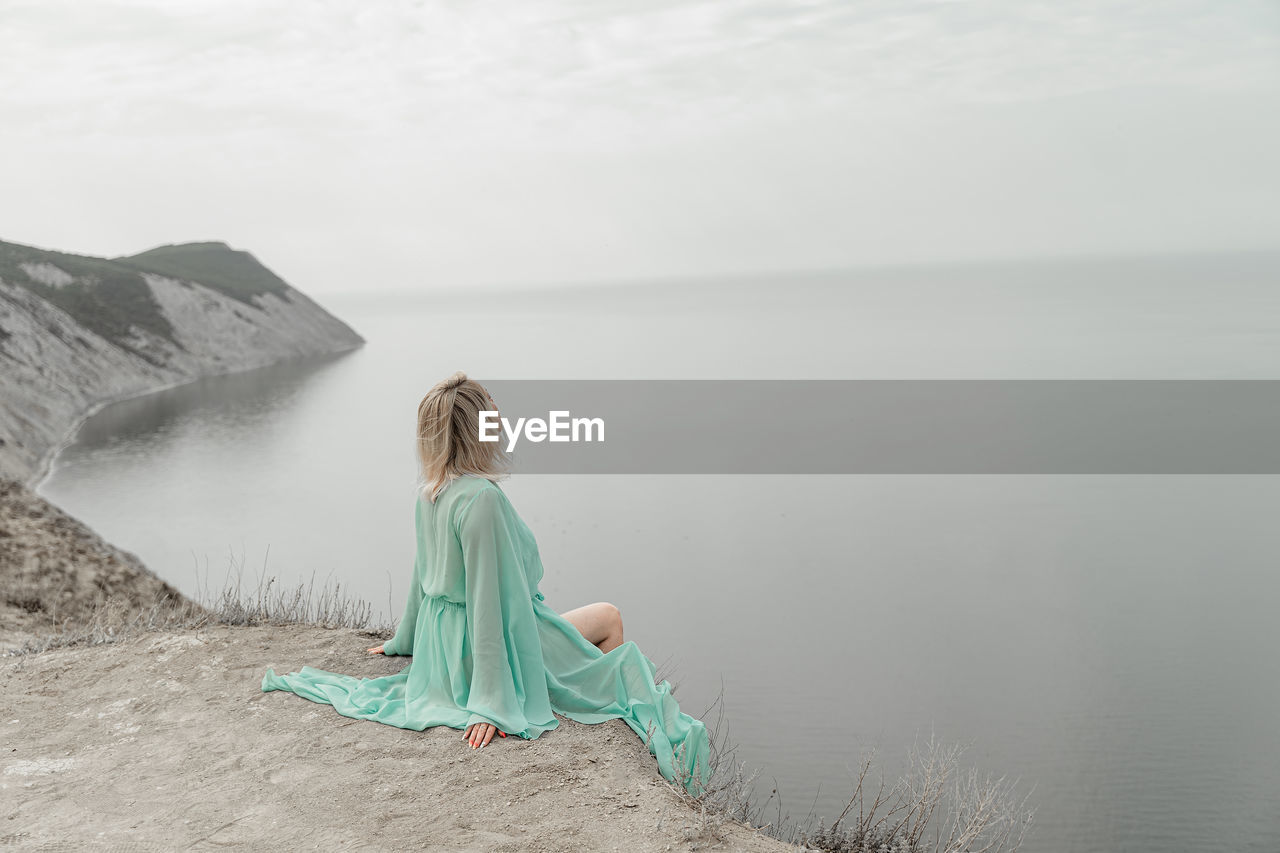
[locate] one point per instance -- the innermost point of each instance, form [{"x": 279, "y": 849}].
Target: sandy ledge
[{"x": 164, "y": 741}]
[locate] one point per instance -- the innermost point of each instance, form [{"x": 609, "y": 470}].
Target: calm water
[{"x": 1110, "y": 640}]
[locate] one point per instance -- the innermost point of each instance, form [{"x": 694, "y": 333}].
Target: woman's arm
[
  {"x": 501, "y": 625},
  {"x": 402, "y": 642}
]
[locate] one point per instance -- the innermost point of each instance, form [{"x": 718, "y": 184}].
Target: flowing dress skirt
[{"x": 581, "y": 682}]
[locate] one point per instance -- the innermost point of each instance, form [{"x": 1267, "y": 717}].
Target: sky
[{"x": 394, "y": 144}]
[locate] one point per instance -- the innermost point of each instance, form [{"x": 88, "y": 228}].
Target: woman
[{"x": 489, "y": 655}]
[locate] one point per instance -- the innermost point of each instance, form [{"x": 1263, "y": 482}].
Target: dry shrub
[{"x": 935, "y": 807}]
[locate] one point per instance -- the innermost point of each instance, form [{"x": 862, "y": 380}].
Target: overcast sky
[{"x": 397, "y": 144}]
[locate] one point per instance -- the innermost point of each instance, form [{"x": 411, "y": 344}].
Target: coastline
[
  {"x": 45, "y": 464},
  {"x": 61, "y": 369}
]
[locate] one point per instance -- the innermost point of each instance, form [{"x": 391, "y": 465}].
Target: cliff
[
  {"x": 77, "y": 332},
  {"x": 55, "y": 571},
  {"x": 164, "y": 741}
]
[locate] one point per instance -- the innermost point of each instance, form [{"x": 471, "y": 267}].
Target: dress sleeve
[
  {"x": 402, "y": 642},
  {"x": 508, "y": 677}
]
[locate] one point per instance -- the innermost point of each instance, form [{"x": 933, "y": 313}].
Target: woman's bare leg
[{"x": 600, "y": 623}]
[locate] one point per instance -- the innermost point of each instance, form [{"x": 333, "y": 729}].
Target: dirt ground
[{"x": 166, "y": 742}]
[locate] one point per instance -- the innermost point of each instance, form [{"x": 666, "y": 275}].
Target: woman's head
[{"x": 449, "y": 442}]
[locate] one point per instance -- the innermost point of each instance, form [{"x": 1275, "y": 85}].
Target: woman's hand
[
  {"x": 376, "y": 650},
  {"x": 479, "y": 734}
]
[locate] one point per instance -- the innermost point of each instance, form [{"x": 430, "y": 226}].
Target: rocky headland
[{"x": 78, "y": 332}]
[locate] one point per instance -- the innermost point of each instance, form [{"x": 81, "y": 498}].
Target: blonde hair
[{"x": 449, "y": 444}]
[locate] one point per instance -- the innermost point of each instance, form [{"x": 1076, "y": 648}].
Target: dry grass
[
  {"x": 267, "y": 604},
  {"x": 270, "y": 604},
  {"x": 935, "y": 807},
  {"x": 727, "y": 796}
]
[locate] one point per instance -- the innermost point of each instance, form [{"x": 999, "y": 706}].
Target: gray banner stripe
[{"x": 901, "y": 426}]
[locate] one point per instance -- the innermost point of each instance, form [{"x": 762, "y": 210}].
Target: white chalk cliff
[{"x": 78, "y": 332}]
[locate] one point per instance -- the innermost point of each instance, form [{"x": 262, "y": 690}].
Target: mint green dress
[{"x": 487, "y": 648}]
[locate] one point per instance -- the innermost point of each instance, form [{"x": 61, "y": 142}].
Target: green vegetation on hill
[
  {"x": 105, "y": 297},
  {"x": 108, "y": 296},
  {"x": 215, "y": 265}
]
